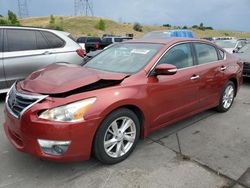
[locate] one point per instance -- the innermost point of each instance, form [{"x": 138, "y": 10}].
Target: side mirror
[{"x": 165, "y": 69}]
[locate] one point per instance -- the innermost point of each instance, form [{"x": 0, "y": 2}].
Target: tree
[
  {"x": 4, "y": 21},
  {"x": 138, "y": 27},
  {"x": 166, "y": 25},
  {"x": 101, "y": 25},
  {"x": 52, "y": 21},
  {"x": 55, "y": 23},
  {"x": 195, "y": 26},
  {"x": 201, "y": 27},
  {"x": 184, "y": 27},
  {"x": 209, "y": 28},
  {"x": 13, "y": 18}
]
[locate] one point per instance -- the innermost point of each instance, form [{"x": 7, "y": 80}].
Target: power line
[
  {"x": 23, "y": 8},
  {"x": 83, "y": 7}
]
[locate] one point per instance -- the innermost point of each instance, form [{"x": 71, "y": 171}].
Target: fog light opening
[{"x": 51, "y": 147}]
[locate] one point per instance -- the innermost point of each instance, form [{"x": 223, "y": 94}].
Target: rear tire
[
  {"x": 227, "y": 97},
  {"x": 117, "y": 136}
]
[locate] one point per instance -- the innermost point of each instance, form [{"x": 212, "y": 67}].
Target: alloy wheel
[
  {"x": 120, "y": 137},
  {"x": 228, "y": 97}
]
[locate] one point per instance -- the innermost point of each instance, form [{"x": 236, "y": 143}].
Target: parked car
[
  {"x": 24, "y": 50},
  {"x": 66, "y": 112},
  {"x": 170, "y": 33},
  {"x": 231, "y": 45},
  {"x": 244, "y": 54},
  {"x": 89, "y": 43},
  {"x": 106, "y": 41}
]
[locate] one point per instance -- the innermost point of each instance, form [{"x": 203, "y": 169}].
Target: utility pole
[
  {"x": 23, "y": 8},
  {"x": 83, "y": 7}
]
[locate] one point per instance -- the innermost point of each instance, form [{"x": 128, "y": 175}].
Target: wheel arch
[
  {"x": 134, "y": 108},
  {"x": 234, "y": 80}
]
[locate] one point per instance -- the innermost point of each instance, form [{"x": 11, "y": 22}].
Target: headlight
[{"x": 72, "y": 112}]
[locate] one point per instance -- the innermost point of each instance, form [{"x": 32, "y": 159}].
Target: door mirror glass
[{"x": 165, "y": 69}]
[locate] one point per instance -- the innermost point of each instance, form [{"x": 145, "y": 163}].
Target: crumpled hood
[{"x": 62, "y": 77}]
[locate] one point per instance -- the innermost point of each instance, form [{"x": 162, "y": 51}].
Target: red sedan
[{"x": 66, "y": 112}]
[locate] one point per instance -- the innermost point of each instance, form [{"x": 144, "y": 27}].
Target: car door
[
  {"x": 211, "y": 67},
  {"x": 174, "y": 96},
  {"x": 2, "y": 75},
  {"x": 25, "y": 52}
]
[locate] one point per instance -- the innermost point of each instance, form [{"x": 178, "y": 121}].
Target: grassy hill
[{"x": 83, "y": 25}]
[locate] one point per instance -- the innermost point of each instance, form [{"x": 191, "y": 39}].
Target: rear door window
[
  {"x": 21, "y": 40},
  {"x": 118, "y": 39},
  {"x": 108, "y": 40},
  {"x": 93, "y": 39},
  {"x": 81, "y": 39},
  {"x": 54, "y": 41},
  {"x": 205, "y": 53},
  {"x": 41, "y": 42}
]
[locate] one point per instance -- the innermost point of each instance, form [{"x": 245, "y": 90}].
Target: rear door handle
[
  {"x": 195, "y": 77},
  {"x": 47, "y": 53},
  {"x": 223, "y": 68}
]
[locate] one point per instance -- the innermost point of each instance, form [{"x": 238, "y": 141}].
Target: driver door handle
[
  {"x": 195, "y": 77},
  {"x": 223, "y": 68}
]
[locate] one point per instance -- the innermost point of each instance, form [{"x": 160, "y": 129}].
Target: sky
[{"x": 220, "y": 14}]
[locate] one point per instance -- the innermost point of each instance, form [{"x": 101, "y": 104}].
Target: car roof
[
  {"x": 33, "y": 28},
  {"x": 167, "y": 40}
]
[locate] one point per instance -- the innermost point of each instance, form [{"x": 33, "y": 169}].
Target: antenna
[
  {"x": 23, "y": 8},
  {"x": 83, "y": 7}
]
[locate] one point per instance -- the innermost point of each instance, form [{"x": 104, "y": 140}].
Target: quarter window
[
  {"x": 54, "y": 41},
  {"x": 180, "y": 56},
  {"x": 205, "y": 53},
  {"x": 20, "y": 40},
  {"x": 221, "y": 55},
  {"x": 41, "y": 41}
]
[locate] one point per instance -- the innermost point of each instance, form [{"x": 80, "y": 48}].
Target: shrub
[
  {"x": 55, "y": 23},
  {"x": 13, "y": 18},
  {"x": 166, "y": 25},
  {"x": 138, "y": 27},
  {"x": 101, "y": 25},
  {"x": 4, "y": 21}
]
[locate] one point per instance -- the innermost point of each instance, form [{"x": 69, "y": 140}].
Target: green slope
[{"x": 82, "y": 25}]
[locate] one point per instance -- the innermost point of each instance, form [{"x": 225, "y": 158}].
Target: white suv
[{"x": 25, "y": 49}]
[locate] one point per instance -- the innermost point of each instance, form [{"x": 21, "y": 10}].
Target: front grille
[{"x": 18, "y": 103}]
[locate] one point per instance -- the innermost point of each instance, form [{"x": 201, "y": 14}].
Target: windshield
[
  {"x": 155, "y": 35},
  {"x": 226, "y": 43},
  {"x": 244, "y": 49},
  {"x": 124, "y": 57}
]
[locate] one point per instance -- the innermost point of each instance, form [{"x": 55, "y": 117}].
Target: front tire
[
  {"x": 117, "y": 136},
  {"x": 227, "y": 97}
]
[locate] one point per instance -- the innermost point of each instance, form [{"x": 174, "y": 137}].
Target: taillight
[
  {"x": 80, "y": 52},
  {"x": 97, "y": 46}
]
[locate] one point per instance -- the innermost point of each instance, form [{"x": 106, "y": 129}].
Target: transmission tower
[
  {"x": 83, "y": 7},
  {"x": 23, "y": 8}
]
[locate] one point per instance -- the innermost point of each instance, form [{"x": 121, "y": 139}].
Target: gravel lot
[{"x": 207, "y": 150}]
